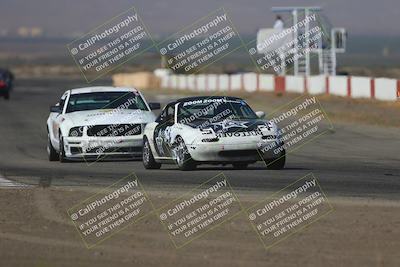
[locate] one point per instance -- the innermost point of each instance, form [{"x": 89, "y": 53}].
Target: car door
[
  {"x": 57, "y": 118},
  {"x": 162, "y": 132}
]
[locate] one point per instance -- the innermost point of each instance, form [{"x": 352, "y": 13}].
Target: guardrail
[{"x": 347, "y": 86}]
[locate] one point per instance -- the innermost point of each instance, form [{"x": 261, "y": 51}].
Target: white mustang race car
[
  {"x": 211, "y": 130},
  {"x": 96, "y": 121}
]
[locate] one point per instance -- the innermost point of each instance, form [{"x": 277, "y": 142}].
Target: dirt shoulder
[{"x": 35, "y": 231}]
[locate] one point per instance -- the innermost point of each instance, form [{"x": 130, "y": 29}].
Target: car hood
[
  {"x": 230, "y": 126},
  {"x": 109, "y": 116}
]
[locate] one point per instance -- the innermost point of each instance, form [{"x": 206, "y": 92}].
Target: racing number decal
[{"x": 161, "y": 140}]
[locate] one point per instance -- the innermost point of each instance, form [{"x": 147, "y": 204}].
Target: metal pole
[
  {"x": 296, "y": 62},
  {"x": 307, "y": 45},
  {"x": 333, "y": 52},
  {"x": 320, "y": 56}
]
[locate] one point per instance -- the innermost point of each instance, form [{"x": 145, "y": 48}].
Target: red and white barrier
[
  {"x": 295, "y": 84},
  {"x": 338, "y": 85},
  {"x": 224, "y": 82},
  {"x": 191, "y": 82},
  {"x": 182, "y": 82},
  {"x": 267, "y": 82},
  {"x": 201, "y": 82},
  {"x": 236, "y": 82},
  {"x": 250, "y": 82},
  {"x": 316, "y": 85},
  {"x": 360, "y": 87},
  {"x": 386, "y": 89},
  {"x": 345, "y": 86},
  {"x": 212, "y": 82}
]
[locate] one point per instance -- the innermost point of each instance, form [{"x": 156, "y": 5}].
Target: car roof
[
  {"x": 192, "y": 98},
  {"x": 95, "y": 89}
]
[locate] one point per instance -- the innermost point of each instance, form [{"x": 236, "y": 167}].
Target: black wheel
[
  {"x": 240, "y": 165},
  {"x": 7, "y": 96},
  {"x": 277, "y": 164},
  {"x": 182, "y": 156},
  {"x": 61, "y": 154},
  {"x": 51, "y": 152},
  {"x": 148, "y": 159}
]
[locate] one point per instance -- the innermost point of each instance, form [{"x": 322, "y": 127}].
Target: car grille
[
  {"x": 112, "y": 130},
  {"x": 102, "y": 150}
]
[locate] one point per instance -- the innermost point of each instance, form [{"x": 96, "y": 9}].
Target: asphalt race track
[{"x": 352, "y": 160}]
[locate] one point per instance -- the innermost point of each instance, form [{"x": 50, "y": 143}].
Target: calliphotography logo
[
  {"x": 201, "y": 44},
  {"x": 274, "y": 219},
  {"x": 300, "y": 122},
  {"x": 220, "y": 115},
  {"x": 107, "y": 32},
  {"x": 277, "y": 50},
  {"x": 289, "y": 210},
  {"x": 111, "y": 210},
  {"x": 200, "y": 211},
  {"x": 110, "y": 45},
  {"x": 203, "y": 112},
  {"x": 207, "y": 115},
  {"x": 258, "y": 117},
  {"x": 110, "y": 131}
]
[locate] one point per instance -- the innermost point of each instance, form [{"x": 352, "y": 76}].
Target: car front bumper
[
  {"x": 79, "y": 147},
  {"x": 251, "y": 150}
]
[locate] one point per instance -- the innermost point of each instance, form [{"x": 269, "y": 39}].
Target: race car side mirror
[
  {"x": 55, "y": 109},
  {"x": 154, "y": 106},
  {"x": 260, "y": 114}
]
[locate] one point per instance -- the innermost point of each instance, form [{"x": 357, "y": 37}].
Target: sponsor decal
[
  {"x": 239, "y": 134},
  {"x": 208, "y": 100},
  {"x": 230, "y": 124}
]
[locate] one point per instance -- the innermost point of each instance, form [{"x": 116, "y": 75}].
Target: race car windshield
[
  {"x": 105, "y": 100},
  {"x": 197, "y": 111}
]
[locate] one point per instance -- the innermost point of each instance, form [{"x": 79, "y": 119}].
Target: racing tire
[
  {"x": 51, "y": 152},
  {"x": 7, "y": 96},
  {"x": 61, "y": 154},
  {"x": 277, "y": 164},
  {"x": 147, "y": 157},
  {"x": 240, "y": 165},
  {"x": 183, "y": 158}
]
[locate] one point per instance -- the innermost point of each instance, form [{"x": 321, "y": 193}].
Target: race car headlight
[{"x": 76, "y": 131}]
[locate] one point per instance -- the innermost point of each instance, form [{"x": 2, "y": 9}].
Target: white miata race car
[
  {"x": 212, "y": 130},
  {"x": 96, "y": 121}
]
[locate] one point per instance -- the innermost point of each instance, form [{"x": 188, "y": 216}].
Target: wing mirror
[
  {"x": 154, "y": 106},
  {"x": 55, "y": 109},
  {"x": 260, "y": 114}
]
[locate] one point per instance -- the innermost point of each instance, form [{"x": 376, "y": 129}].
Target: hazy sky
[{"x": 380, "y": 17}]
